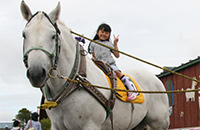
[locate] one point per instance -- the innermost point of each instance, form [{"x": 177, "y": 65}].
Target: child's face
[{"x": 103, "y": 35}]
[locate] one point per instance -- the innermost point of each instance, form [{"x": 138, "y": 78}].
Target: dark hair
[
  {"x": 105, "y": 27},
  {"x": 16, "y": 123},
  {"x": 35, "y": 116}
]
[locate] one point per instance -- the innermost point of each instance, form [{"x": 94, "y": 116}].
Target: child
[{"x": 102, "y": 53}]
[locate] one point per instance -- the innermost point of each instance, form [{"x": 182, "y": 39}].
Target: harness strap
[
  {"x": 107, "y": 104},
  {"x": 110, "y": 73},
  {"x": 82, "y": 69},
  {"x": 70, "y": 87},
  {"x": 107, "y": 69},
  {"x": 113, "y": 79}
]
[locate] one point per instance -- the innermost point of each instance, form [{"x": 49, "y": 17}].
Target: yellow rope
[
  {"x": 163, "y": 68},
  {"x": 52, "y": 104},
  {"x": 90, "y": 85}
]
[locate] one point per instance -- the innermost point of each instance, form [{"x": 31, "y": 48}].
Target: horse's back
[{"x": 144, "y": 77}]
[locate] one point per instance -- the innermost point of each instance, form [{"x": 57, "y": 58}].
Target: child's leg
[
  {"x": 130, "y": 86},
  {"x": 127, "y": 81},
  {"x": 124, "y": 79}
]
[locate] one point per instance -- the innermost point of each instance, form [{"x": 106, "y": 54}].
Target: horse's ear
[
  {"x": 25, "y": 10},
  {"x": 54, "y": 15}
]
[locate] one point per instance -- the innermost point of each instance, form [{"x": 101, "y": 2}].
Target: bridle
[{"x": 55, "y": 54}]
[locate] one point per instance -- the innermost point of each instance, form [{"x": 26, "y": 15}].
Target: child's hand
[{"x": 116, "y": 39}]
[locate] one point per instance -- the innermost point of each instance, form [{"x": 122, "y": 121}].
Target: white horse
[{"x": 80, "y": 110}]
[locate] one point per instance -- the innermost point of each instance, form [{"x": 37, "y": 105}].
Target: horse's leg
[
  {"x": 140, "y": 126},
  {"x": 52, "y": 127},
  {"x": 159, "y": 125},
  {"x": 91, "y": 127},
  {"x": 58, "y": 127},
  {"x": 158, "y": 119},
  {"x": 155, "y": 125}
]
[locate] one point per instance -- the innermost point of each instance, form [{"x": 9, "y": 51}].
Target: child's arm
[{"x": 116, "y": 39}]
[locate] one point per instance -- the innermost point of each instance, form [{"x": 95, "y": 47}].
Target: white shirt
[
  {"x": 35, "y": 124},
  {"x": 101, "y": 52}
]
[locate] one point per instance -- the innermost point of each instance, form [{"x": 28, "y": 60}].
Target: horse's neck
[
  {"x": 68, "y": 51},
  {"x": 66, "y": 57}
]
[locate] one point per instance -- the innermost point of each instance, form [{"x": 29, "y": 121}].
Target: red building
[{"x": 184, "y": 107}]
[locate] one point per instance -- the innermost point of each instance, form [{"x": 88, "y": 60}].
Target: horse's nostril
[
  {"x": 43, "y": 72},
  {"x": 36, "y": 73}
]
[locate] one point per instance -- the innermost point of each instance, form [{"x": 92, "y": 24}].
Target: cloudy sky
[{"x": 164, "y": 32}]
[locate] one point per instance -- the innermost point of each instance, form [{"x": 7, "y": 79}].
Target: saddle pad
[{"x": 139, "y": 99}]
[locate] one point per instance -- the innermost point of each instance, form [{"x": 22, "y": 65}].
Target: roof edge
[{"x": 182, "y": 66}]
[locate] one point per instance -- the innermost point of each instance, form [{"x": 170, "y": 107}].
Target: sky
[{"x": 163, "y": 32}]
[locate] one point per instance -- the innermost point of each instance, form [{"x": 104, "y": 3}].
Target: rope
[
  {"x": 155, "y": 92},
  {"x": 163, "y": 68},
  {"x": 48, "y": 104}
]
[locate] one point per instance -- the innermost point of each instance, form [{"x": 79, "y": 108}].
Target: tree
[
  {"x": 23, "y": 116},
  {"x": 46, "y": 124}
]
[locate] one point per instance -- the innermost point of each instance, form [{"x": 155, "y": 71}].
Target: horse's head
[{"x": 41, "y": 43}]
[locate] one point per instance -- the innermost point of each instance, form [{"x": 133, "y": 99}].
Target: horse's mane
[{"x": 66, "y": 35}]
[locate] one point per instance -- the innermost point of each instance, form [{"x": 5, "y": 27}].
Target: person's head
[
  {"x": 16, "y": 123},
  {"x": 34, "y": 116},
  {"x": 103, "y": 32}
]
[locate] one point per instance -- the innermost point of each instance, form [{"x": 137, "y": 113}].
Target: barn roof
[{"x": 182, "y": 66}]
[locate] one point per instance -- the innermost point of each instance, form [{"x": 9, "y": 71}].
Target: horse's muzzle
[{"x": 37, "y": 76}]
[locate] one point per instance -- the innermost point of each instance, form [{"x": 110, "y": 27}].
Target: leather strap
[
  {"x": 107, "y": 104},
  {"x": 82, "y": 69}
]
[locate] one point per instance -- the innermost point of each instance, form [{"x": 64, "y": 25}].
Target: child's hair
[{"x": 105, "y": 27}]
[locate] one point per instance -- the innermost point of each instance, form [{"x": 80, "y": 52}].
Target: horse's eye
[
  {"x": 23, "y": 35},
  {"x": 54, "y": 36}
]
